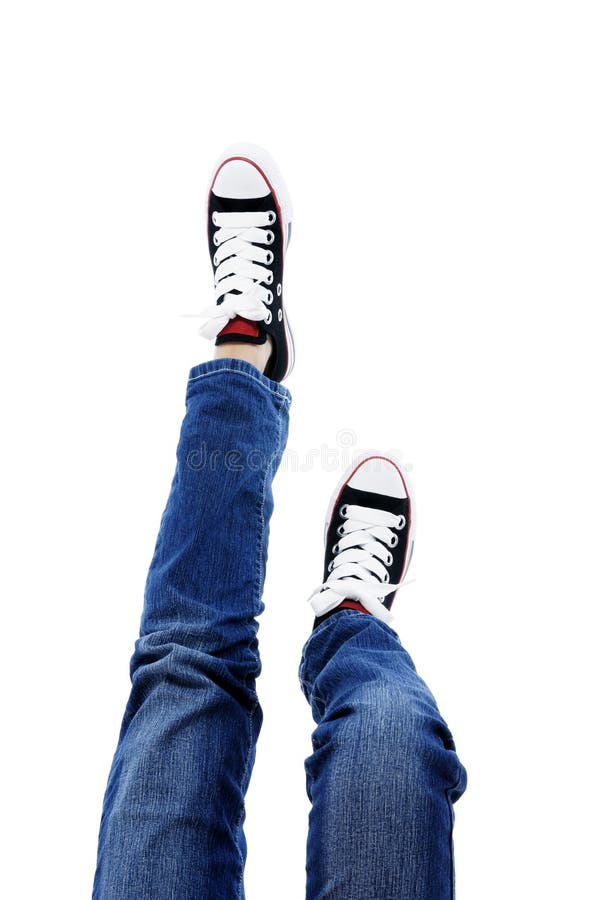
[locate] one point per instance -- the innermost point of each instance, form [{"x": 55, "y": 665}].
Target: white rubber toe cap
[
  {"x": 240, "y": 180},
  {"x": 380, "y": 476}
]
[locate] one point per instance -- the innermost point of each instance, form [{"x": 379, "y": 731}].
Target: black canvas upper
[
  {"x": 279, "y": 361},
  {"x": 396, "y": 506}
]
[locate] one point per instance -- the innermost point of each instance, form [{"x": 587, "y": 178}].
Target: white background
[{"x": 442, "y": 286}]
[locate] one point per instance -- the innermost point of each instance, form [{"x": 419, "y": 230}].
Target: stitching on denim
[
  {"x": 260, "y": 560},
  {"x": 266, "y": 387},
  {"x": 451, "y": 843},
  {"x": 257, "y": 595},
  {"x": 303, "y": 664},
  {"x": 451, "y": 810},
  {"x": 244, "y": 786},
  {"x": 313, "y": 698},
  {"x": 258, "y": 588}
]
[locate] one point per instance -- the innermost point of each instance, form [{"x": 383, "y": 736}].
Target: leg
[
  {"x": 172, "y": 824},
  {"x": 384, "y": 774}
]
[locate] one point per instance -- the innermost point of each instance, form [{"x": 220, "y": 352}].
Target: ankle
[{"x": 256, "y": 354}]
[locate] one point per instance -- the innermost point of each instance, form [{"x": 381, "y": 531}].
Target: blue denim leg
[
  {"x": 172, "y": 823},
  {"x": 383, "y": 775}
]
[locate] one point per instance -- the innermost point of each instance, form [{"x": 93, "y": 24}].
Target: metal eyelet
[
  {"x": 386, "y": 578},
  {"x": 343, "y": 511},
  {"x": 340, "y": 530},
  {"x": 215, "y": 260},
  {"x": 269, "y": 257},
  {"x": 390, "y": 560},
  {"x": 214, "y": 222},
  {"x": 279, "y": 289},
  {"x": 402, "y": 523},
  {"x": 335, "y": 550},
  {"x": 269, "y": 298},
  {"x": 269, "y": 237},
  {"x": 269, "y": 278},
  {"x": 268, "y": 319},
  {"x": 330, "y": 565},
  {"x": 280, "y": 315},
  {"x": 216, "y": 241},
  {"x": 271, "y": 217},
  {"x": 393, "y": 541}
]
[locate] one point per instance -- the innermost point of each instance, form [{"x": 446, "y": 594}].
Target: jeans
[{"x": 383, "y": 775}]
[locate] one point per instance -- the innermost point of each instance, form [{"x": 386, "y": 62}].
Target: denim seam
[
  {"x": 257, "y": 596},
  {"x": 314, "y": 700},
  {"x": 306, "y": 682},
  {"x": 451, "y": 843},
  {"x": 452, "y": 828},
  {"x": 245, "y": 375},
  {"x": 275, "y": 453},
  {"x": 244, "y": 786}
]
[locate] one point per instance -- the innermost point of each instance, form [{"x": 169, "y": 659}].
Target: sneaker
[
  {"x": 369, "y": 536},
  {"x": 249, "y": 227}
]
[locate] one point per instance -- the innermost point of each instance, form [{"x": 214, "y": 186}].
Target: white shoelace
[
  {"x": 358, "y": 568},
  {"x": 241, "y": 266}
]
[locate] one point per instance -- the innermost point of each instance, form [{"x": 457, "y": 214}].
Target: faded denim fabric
[{"x": 384, "y": 773}]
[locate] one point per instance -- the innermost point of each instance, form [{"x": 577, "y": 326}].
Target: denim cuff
[{"x": 224, "y": 367}]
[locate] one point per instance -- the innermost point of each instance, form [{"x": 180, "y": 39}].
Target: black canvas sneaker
[
  {"x": 369, "y": 535},
  {"x": 249, "y": 227}
]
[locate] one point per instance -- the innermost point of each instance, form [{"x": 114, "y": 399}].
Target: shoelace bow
[
  {"x": 358, "y": 568},
  {"x": 241, "y": 269}
]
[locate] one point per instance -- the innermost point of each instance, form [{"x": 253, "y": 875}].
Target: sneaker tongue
[
  {"x": 240, "y": 329},
  {"x": 357, "y": 497}
]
